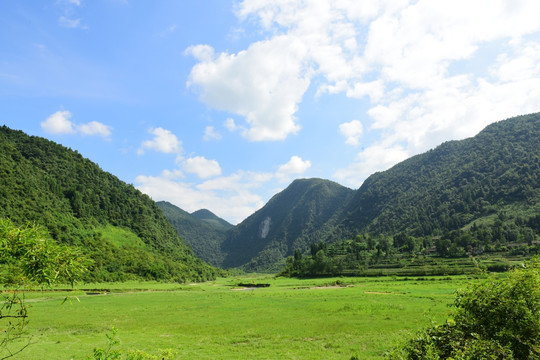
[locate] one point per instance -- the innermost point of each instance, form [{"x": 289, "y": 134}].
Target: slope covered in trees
[
  {"x": 210, "y": 218},
  {"x": 454, "y": 184},
  {"x": 118, "y": 227},
  {"x": 294, "y": 218},
  {"x": 203, "y": 230}
]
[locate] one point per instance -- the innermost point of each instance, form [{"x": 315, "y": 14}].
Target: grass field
[{"x": 290, "y": 319}]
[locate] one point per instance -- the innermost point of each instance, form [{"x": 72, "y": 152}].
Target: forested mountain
[
  {"x": 487, "y": 186},
  {"x": 203, "y": 230},
  {"x": 212, "y": 219},
  {"x": 294, "y": 218},
  {"x": 454, "y": 184},
  {"x": 117, "y": 226}
]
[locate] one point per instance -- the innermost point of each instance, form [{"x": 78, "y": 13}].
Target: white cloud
[
  {"x": 172, "y": 175},
  {"x": 95, "y": 128},
  {"x": 210, "y": 133},
  {"x": 369, "y": 161},
  {"x": 164, "y": 141},
  {"x": 232, "y": 197},
  {"x": 201, "y": 52},
  {"x": 263, "y": 84},
  {"x": 58, "y": 123},
  {"x": 429, "y": 71},
  {"x": 202, "y": 167},
  {"x": 230, "y": 124},
  {"x": 352, "y": 131},
  {"x": 294, "y": 167},
  {"x": 69, "y": 23}
]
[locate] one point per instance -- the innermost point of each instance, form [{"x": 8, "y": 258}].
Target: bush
[{"x": 496, "y": 319}]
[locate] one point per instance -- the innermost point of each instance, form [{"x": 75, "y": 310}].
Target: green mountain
[
  {"x": 210, "y": 218},
  {"x": 203, "y": 230},
  {"x": 117, "y": 226},
  {"x": 455, "y": 184},
  {"x": 294, "y": 218},
  {"x": 489, "y": 183}
]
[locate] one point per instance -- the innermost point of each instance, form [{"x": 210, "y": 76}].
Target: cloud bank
[{"x": 428, "y": 71}]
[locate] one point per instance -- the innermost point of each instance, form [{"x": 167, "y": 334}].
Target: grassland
[{"x": 290, "y": 319}]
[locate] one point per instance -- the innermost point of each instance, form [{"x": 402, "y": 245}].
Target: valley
[
  {"x": 331, "y": 318},
  {"x": 320, "y": 271}
]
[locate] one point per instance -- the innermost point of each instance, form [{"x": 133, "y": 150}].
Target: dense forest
[
  {"x": 115, "y": 225},
  {"x": 203, "y": 230},
  {"x": 454, "y": 184},
  {"x": 291, "y": 219},
  {"x": 478, "y": 248}
]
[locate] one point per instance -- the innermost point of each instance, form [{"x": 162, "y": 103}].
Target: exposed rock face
[{"x": 264, "y": 228}]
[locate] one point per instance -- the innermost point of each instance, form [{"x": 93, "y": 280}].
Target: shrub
[{"x": 496, "y": 319}]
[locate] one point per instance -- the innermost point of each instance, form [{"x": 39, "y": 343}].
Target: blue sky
[{"x": 221, "y": 104}]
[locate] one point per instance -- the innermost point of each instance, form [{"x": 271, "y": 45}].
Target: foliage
[
  {"x": 29, "y": 257},
  {"x": 292, "y": 219},
  {"x": 113, "y": 352},
  {"x": 496, "y": 319},
  {"x": 74, "y": 200},
  {"x": 202, "y": 230},
  {"x": 452, "y": 185}
]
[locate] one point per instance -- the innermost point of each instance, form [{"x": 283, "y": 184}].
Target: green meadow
[{"x": 332, "y": 318}]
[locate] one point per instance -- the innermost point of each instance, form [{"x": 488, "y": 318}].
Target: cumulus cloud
[
  {"x": 230, "y": 124},
  {"x": 95, "y": 128},
  {"x": 202, "y": 167},
  {"x": 201, "y": 52},
  {"x": 264, "y": 84},
  {"x": 60, "y": 123},
  {"x": 370, "y": 160},
  {"x": 210, "y": 133},
  {"x": 352, "y": 131},
  {"x": 164, "y": 141},
  {"x": 294, "y": 167},
  {"x": 232, "y": 197}
]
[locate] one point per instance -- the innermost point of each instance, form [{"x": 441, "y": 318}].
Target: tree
[
  {"x": 30, "y": 258},
  {"x": 496, "y": 319}
]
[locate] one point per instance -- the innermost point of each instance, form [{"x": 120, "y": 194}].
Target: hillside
[
  {"x": 203, "y": 230},
  {"x": 210, "y": 218},
  {"x": 490, "y": 182},
  {"x": 454, "y": 184},
  {"x": 117, "y": 226},
  {"x": 291, "y": 219}
]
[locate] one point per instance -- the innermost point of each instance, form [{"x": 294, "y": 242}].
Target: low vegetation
[
  {"x": 495, "y": 319},
  {"x": 29, "y": 258},
  {"x": 330, "y": 318}
]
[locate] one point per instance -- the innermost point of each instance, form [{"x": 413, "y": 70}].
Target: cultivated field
[{"x": 290, "y": 319}]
